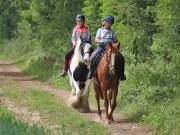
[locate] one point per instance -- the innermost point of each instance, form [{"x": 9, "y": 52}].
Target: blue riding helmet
[{"x": 109, "y": 18}]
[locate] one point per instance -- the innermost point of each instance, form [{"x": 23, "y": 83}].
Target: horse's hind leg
[
  {"x": 113, "y": 102},
  {"x": 97, "y": 90}
]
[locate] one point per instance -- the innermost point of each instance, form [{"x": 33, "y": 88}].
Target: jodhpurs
[{"x": 69, "y": 53}]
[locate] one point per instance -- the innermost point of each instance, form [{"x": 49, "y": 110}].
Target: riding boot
[
  {"x": 64, "y": 71},
  {"x": 91, "y": 70},
  {"x": 98, "y": 50},
  {"x": 90, "y": 74}
]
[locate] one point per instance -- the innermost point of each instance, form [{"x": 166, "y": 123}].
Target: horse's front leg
[
  {"x": 85, "y": 102},
  {"x": 77, "y": 89},
  {"x": 113, "y": 102},
  {"x": 76, "y": 99},
  {"x": 106, "y": 105},
  {"x": 86, "y": 89},
  {"x": 110, "y": 103},
  {"x": 71, "y": 83}
]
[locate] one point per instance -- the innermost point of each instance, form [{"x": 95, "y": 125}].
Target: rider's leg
[
  {"x": 92, "y": 58},
  {"x": 66, "y": 63},
  {"x": 93, "y": 55}
]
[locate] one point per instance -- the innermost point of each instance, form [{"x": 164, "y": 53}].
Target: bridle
[
  {"x": 82, "y": 49},
  {"x": 110, "y": 58}
]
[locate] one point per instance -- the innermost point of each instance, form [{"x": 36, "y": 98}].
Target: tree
[{"x": 8, "y": 17}]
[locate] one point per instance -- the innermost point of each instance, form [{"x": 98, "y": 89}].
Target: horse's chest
[
  {"x": 74, "y": 64},
  {"x": 80, "y": 72}
]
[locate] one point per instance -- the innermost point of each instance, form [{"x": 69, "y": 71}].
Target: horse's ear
[
  {"x": 109, "y": 46},
  {"x": 118, "y": 45}
]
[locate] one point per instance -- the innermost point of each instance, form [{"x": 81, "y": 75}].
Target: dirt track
[{"x": 121, "y": 126}]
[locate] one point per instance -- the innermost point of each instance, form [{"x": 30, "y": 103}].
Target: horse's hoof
[
  {"x": 75, "y": 102},
  {"x": 84, "y": 110},
  {"x": 79, "y": 94},
  {"x": 112, "y": 119},
  {"x": 73, "y": 93},
  {"x": 108, "y": 121},
  {"x": 100, "y": 118}
]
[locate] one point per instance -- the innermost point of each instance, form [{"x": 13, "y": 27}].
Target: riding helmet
[
  {"x": 80, "y": 17},
  {"x": 109, "y": 18}
]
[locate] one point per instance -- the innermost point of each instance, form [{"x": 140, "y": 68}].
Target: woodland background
[{"x": 36, "y": 34}]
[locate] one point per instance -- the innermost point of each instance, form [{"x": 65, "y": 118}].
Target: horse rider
[
  {"x": 104, "y": 36},
  {"x": 81, "y": 30}
]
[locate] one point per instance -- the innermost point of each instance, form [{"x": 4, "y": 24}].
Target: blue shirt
[{"x": 106, "y": 35}]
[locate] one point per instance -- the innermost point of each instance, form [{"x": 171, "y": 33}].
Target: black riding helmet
[{"x": 80, "y": 17}]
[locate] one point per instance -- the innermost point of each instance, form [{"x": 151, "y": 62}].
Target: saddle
[
  {"x": 96, "y": 62},
  {"x": 97, "y": 59}
]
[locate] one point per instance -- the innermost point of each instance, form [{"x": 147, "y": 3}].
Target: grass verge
[
  {"x": 10, "y": 125},
  {"x": 53, "y": 109}
]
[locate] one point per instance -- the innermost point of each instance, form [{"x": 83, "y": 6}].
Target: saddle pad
[{"x": 96, "y": 61}]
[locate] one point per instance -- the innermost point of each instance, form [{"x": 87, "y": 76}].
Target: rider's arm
[
  {"x": 74, "y": 37},
  {"x": 89, "y": 37},
  {"x": 98, "y": 39}
]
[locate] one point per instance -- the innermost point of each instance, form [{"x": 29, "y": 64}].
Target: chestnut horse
[{"x": 106, "y": 80}]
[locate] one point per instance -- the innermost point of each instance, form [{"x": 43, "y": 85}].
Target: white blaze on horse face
[
  {"x": 86, "y": 58},
  {"x": 87, "y": 48},
  {"x": 113, "y": 61}
]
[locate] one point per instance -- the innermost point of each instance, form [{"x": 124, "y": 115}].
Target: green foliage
[
  {"x": 92, "y": 12},
  {"x": 9, "y": 125},
  {"x": 149, "y": 32},
  {"x": 8, "y": 18},
  {"x": 166, "y": 41},
  {"x": 165, "y": 118},
  {"x": 152, "y": 95}
]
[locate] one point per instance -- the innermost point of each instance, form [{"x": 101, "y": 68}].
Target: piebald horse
[
  {"x": 106, "y": 80},
  {"x": 77, "y": 72}
]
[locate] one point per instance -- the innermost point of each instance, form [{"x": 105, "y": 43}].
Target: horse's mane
[
  {"x": 111, "y": 48},
  {"x": 77, "y": 51}
]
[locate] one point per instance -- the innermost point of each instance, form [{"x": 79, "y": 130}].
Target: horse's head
[
  {"x": 111, "y": 51},
  {"x": 86, "y": 50},
  {"x": 82, "y": 51}
]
